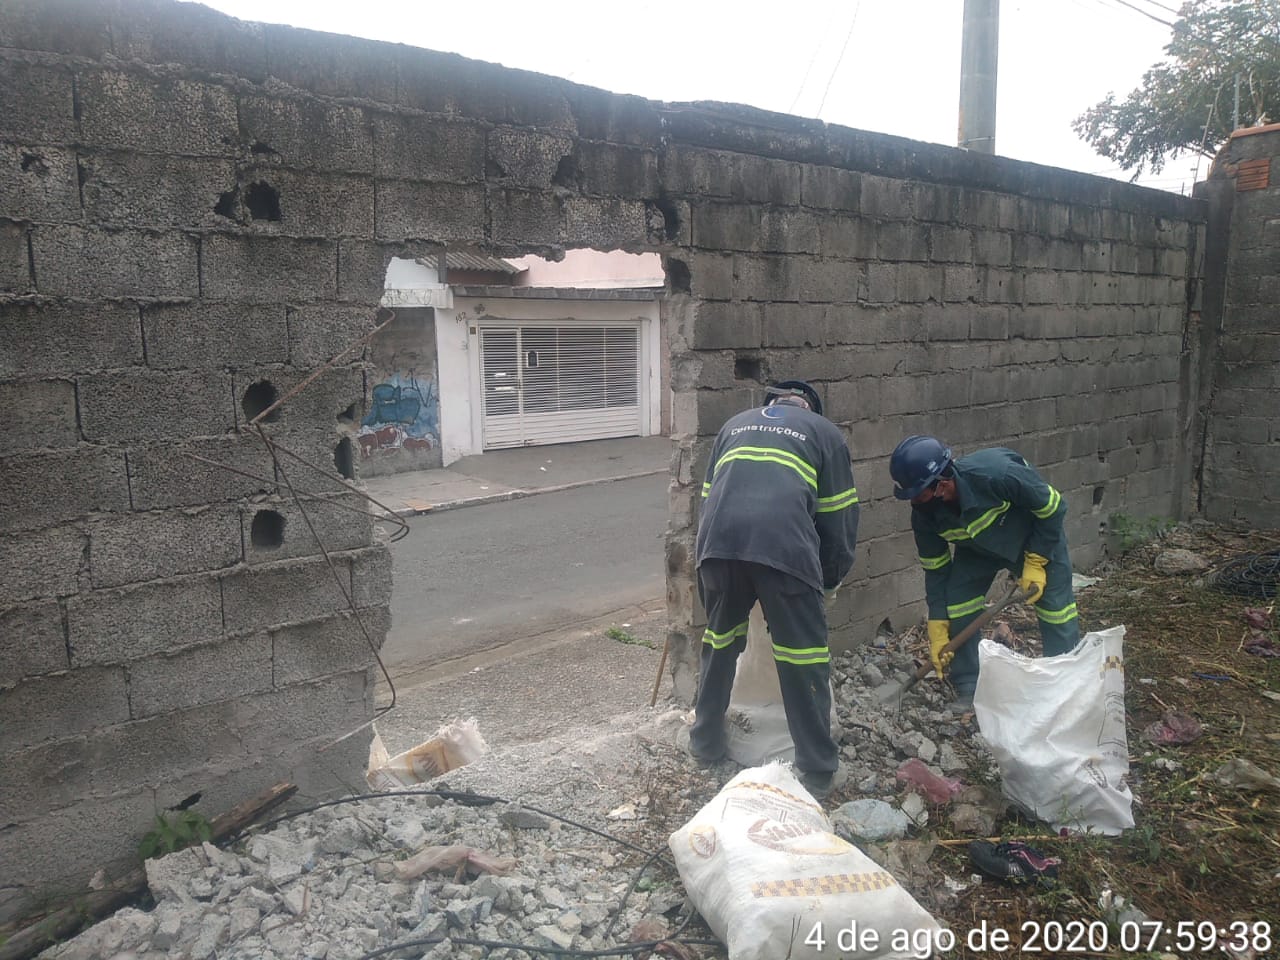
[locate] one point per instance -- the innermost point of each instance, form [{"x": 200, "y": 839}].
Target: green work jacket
[{"x": 1003, "y": 509}]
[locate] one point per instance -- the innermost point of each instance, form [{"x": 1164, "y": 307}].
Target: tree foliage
[{"x": 1185, "y": 103}]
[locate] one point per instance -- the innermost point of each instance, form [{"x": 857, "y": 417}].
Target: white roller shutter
[{"x": 552, "y": 384}]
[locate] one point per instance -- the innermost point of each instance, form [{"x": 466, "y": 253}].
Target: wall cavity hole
[
  {"x": 678, "y": 277},
  {"x": 263, "y": 201},
  {"x": 885, "y": 629},
  {"x": 258, "y": 397},
  {"x": 344, "y": 458},
  {"x": 1097, "y": 496},
  {"x": 348, "y": 415},
  {"x": 747, "y": 368},
  {"x": 567, "y": 174},
  {"x": 267, "y": 529},
  {"x": 226, "y": 205}
]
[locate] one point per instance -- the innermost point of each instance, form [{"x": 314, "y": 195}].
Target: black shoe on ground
[
  {"x": 820, "y": 783},
  {"x": 1014, "y": 861},
  {"x": 701, "y": 758}
]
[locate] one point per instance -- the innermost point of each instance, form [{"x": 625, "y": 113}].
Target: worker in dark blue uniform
[
  {"x": 973, "y": 517},
  {"x": 779, "y": 523}
]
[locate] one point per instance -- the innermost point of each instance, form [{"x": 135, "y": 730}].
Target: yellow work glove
[
  {"x": 1033, "y": 576},
  {"x": 939, "y": 637}
]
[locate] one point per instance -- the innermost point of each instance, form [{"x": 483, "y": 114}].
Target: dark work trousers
[
  {"x": 797, "y": 621},
  {"x": 967, "y": 585}
]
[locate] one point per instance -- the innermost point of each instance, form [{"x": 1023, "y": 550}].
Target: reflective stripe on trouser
[
  {"x": 798, "y": 630},
  {"x": 967, "y": 584}
]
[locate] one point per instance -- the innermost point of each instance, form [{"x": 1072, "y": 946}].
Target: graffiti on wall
[{"x": 404, "y": 414}]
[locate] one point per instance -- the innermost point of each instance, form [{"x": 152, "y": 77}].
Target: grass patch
[{"x": 626, "y": 636}]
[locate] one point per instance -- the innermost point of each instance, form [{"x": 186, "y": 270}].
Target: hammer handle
[{"x": 960, "y": 639}]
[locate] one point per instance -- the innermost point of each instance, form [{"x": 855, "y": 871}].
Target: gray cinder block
[
  {"x": 138, "y": 190},
  {"x": 38, "y": 183},
  {"x": 41, "y": 564},
  {"x": 61, "y": 705},
  {"x": 148, "y": 546},
  {"x": 57, "y": 338},
  {"x": 36, "y": 103},
  {"x": 334, "y": 645},
  {"x": 288, "y": 592},
  {"x": 115, "y": 626},
  {"x": 156, "y": 113},
  {"x": 32, "y": 640},
  {"x": 308, "y": 134},
  {"x": 439, "y": 212},
  {"x": 204, "y": 334},
  {"x": 77, "y": 262},
  {"x": 48, "y": 411},
  {"x": 206, "y": 673},
  {"x": 414, "y": 147},
  {"x": 144, "y": 405},
  {"x": 40, "y": 489},
  {"x": 167, "y": 475},
  {"x": 262, "y": 269}
]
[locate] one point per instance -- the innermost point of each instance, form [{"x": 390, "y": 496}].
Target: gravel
[{"x": 332, "y": 884}]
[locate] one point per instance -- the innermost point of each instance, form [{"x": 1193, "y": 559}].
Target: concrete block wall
[
  {"x": 177, "y": 248},
  {"x": 1242, "y": 433},
  {"x": 191, "y": 206},
  {"x": 927, "y": 290}
]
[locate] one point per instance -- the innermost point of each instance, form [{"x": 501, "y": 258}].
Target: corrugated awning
[{"x": 458, "y": 260}]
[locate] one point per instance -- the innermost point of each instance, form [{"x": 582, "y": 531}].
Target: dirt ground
[{"x": 1204, "y": 858}]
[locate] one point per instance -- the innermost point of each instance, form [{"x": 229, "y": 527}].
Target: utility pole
[{"x": 979, "y": 50}]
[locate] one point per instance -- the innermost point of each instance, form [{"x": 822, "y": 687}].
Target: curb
[{"x": 517, "y": 494}]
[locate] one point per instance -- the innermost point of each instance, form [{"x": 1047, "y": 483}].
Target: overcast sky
[{"x": 891, "y": 66}]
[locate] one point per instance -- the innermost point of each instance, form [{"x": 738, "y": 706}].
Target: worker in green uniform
[
  {"x": 779, "y": 524},
  {"x": 972, "y": 517}
]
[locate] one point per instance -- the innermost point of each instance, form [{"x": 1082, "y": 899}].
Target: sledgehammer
[{"x": 893, "y": 692}]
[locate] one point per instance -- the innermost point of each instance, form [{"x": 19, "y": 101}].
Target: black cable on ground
[
  {"x": 530, "y": 948},
  {"x": 1251, "y": 575}
]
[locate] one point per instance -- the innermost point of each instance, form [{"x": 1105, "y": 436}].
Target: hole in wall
[
  {"x": 186, "y": 803},
  {"x": 748, "y": 368},
  {"x": 226, "y": 205},
  {"x": 263, "y": 201},
  {"x": 348, "y": 415},
  {"x": 258, "y": 397},
  {"x": 260, "y": 148},
  {"x": 344, "y": 458},
  {"x": 267, "y": 529},
  {"x": 30, "y": 160},
  {"x": 1097, "y": 496},
  {"x": 568, "y": 174},
  {"x": 670, "y": 218},
  {"x": 493, "y": 170},
  {"x": 678, "y": 278},
  {"x": 885, "y": 629}
]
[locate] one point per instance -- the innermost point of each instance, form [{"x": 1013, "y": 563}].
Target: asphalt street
[{"x": 479, "y": 578}]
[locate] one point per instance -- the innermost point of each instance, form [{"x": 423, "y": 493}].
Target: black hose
[{"x": 1251, "y": 575}]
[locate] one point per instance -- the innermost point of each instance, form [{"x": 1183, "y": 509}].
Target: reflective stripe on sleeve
[
  {"x": 968, "y": 607},
  {"x": 706, "y": 488},
  {"x": 839, "y": 501},
  {"x": 1048, "y": 510}
]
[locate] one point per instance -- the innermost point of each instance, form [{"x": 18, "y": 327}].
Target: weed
[
  {"x": 1134, "y": 531},
  {"x": 624, "y": 636},
  {"x": 186, "y": 828}
]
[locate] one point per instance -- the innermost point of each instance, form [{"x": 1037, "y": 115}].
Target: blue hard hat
[
  {"x": 916, "y": 463},
  {"x": 796, "y": 388}
]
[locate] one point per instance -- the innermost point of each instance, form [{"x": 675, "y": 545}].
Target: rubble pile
[{"x": 344, "y": 881}]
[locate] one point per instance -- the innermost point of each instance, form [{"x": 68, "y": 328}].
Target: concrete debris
[
  {"x": 341, "y": 881},
  {"x": 871, "y": 820},
  {"x": 1178, "y": 561}
]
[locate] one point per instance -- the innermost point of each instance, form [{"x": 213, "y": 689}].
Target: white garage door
[{"x": 547, "y": 384}]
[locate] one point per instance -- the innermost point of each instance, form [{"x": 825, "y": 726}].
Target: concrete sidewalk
[{"x": 511, "y": 474}]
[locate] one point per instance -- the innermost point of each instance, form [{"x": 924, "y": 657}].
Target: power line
[
  {"x": 805, "y": 78},
  {"x": 1157, "y": 3},
  {"x": 840, "y": 59},
  {"x": 1150, "y": 16}
]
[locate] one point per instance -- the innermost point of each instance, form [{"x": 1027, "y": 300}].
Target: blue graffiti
[{"x": 406, "y": 402}]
